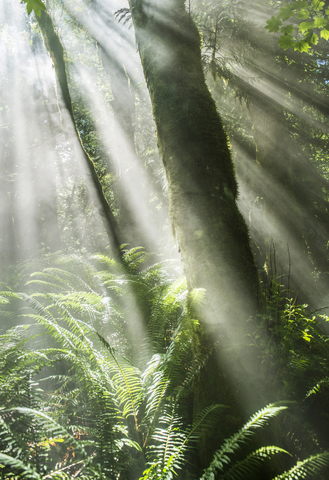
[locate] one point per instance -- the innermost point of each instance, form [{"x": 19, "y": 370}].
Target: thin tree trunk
[{"x": 56, "y": 52}]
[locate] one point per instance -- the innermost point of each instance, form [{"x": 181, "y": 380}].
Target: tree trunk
[
  {"x": 56, "y": 52},
  {"x": 211, "y": 233}
]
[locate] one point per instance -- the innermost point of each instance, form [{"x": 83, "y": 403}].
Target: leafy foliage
[
  {"x": 35, "y": 5},
  {"x": 293, "y": 346},
  {"x": 310, "y": 19},
  {"x": 307, "y": 467},
  {"x": 79, "y": 408},
  {"x": 221, "y": 457},
  {"x": 100, "y": 396}
]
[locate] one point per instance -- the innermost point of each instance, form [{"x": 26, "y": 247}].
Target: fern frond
[
  {"x": 169, "y": 447},
  {"x": 123, "y": 15},
  {"x": 307, "y": 468},
  {"x": 323, "y": 383},
  {"x": 135, "y": 256},
  {"x": 53, "y": 428},
  {"x": 203, "y": 417},
  {"x": 196, "y": 298},
  {"x": 13, "y": 443},
  {"x": 63, "y": 278},
  {"x": 157, "y": 384},
  {"x": 18, "y": 469},
  {"x": 221, "y": 456},
  {"x": 248, "y": 466},
  {"x": 127, "y": 382}
]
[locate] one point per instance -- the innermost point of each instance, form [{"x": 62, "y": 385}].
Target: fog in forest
[{"x": 122, "y": 309}]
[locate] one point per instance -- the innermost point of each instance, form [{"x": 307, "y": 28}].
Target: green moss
[{"x": 196, "y": 156}]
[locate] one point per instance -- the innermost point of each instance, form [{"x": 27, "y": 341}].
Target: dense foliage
[{"x": 92, "y": 405}]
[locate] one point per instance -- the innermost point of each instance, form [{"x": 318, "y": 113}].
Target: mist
[{"x": 157, "y": 243}]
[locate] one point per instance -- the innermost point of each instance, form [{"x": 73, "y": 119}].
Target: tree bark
[
  {"x": 211, "y": 233},
  {"x": 56, "y": 52}
]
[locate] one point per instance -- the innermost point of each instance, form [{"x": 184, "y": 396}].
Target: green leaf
[
  {"x": 320, "y": 22},
  {"x": 273, "y": 24},
  {"x": 286, "y": 41},
  {"x": 317, "y": 5},
  {"x": 36, "y": 5},
  {"x": 314, "y": 39},
  {"x": 286, "y": 12},
  {"x": 299, "y": 4},
  {"x": 302, "y": 46},
  {"x": 311, "y": 38},
  {"x": 324, "y": 34},
  {"x": 303, "y": 14},
  {"x": 287, "y": 30},
  {"x": 304, "y": 26}
]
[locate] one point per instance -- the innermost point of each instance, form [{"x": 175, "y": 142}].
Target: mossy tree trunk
[
  {"x": 56, "y": 52},
  {"x": 211, "y": 233}
]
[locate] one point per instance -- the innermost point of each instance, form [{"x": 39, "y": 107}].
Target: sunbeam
[{"x": 164, "y": 223}]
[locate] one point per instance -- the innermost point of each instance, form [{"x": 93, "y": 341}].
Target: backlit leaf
[
  {"x": 318, "y": 5},
  {"x": 320, "y": 22},
  {"x": 286, "y": 41},
  {"x": 273, "y": 24},
  {"x": 324, "y": 34},
  {"x": 303, "y": 14},
  {"x": 304, "y": 26},
  {"x": 302, "y": 46}
]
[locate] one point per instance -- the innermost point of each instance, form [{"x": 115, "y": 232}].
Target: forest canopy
[{"x": 164, "y": 239}]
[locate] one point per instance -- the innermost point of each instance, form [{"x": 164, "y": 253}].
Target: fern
[
  {"x": 123, "y": 15},
  {"x": 30, "y": 447},
  {"x": 167, "y": 448},
  {"x": 322, "y": 384},
  {"x": 15, "y": 468},
  {"x": 222, "y": 456},
  {"x": 309, "y": 468},
  {"x": 99, "y": 414},
  {"x": 248, "y": 466}
]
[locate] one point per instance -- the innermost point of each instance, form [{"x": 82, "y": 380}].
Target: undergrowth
[{"x": 98, "y": 367}]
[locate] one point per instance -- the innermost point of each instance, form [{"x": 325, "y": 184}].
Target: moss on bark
[{"x": 212, "y": 235}]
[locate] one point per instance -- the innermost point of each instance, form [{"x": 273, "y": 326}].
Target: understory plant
[
  {"x": 78, "y": 401},
  {"x": 291, "y": 342}
]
